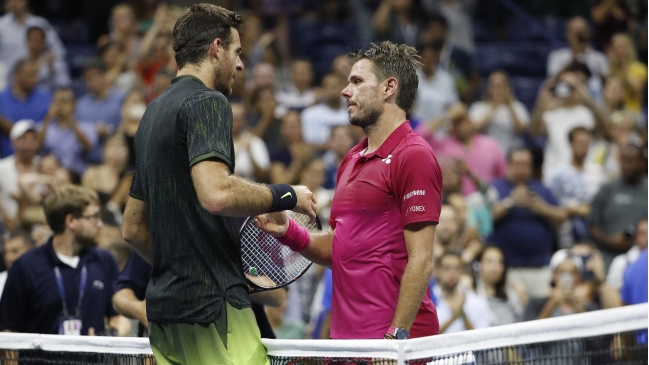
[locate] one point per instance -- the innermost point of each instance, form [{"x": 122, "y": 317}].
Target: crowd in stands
[{"x": 544, "y": 191}]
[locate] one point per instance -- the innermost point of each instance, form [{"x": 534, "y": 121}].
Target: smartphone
[{"x": 566, "y": 281}]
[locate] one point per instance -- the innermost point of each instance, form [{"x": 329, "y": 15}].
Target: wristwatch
[{"x": 398, "y": 333}]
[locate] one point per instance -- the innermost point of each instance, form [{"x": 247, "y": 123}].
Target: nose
[
  {"x": 239, "y": 64},
  {"x": 346, "y": 93}
]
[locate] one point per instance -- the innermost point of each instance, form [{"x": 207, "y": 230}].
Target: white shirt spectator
[
  {"x": 616, "y": 271},
  {"x": 318, "y": 120},
  {"x": 596, "y": 62},
  {"x": 244, "y": 157},
  {"x": 13, "y": 38},
  {"x": 572, "y": 186},
  {"x": 9, "y": 185},
  {"x": 434, "y": 95},
  {"x": 292, "y": 98},
  {"x": 501, "y": 127},
  {"x": 559, "y": 122},
  {"x": 476, "y": 308}
]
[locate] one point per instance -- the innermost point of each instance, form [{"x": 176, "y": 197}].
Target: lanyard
[{"x": 82, "y": 289}]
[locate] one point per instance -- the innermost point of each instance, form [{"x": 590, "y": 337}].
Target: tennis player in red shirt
[{"x": 385, "y": 209}]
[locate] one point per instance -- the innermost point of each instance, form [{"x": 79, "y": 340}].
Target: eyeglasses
[{"x": 95, "y": 217}]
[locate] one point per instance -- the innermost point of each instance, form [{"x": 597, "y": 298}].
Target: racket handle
[{"x": 297, "y": 238}]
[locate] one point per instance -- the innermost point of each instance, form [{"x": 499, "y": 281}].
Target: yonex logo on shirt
[
  {"x": 98, "y": 285},
  {"x": 387, "y": 159},
  {"x": 413, "y": 193}
]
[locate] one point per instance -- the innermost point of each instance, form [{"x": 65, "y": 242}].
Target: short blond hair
[{"x": 68, "y": 199}]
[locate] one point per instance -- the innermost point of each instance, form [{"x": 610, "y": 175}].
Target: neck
[
  {"x": 429, "y": 71},
  {"x": 20, "y": 16},
  {"x": 578, "y": 49},
  {"x": 302, "y": 88},
  {"x": 102, "y": 93},
  {"x": 334, "y": 103},
  {"x": 448, "y": 291},
  {"x": 64, "y": 244},
  {"x": 64, "y": 121},
  {"x": 34, "y": 55},
  {"x": 489, "y": 288},
  {"x": 24, "y": 161},
  {"x": 387, "y": 123},
  {"x": 19, "y": 93},
  {"x": 200, "y": 72},
  {"x": 578, "y": 162}
]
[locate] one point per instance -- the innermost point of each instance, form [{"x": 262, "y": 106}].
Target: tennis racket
[{"x": 267, "y": 264}]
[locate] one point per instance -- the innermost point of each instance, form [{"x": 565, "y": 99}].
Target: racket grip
[{"x": 296, "y": 238}]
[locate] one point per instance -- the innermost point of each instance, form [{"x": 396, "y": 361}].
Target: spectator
[
  {"x": 161, "y": 81},
  {"x": 36, "y": 282},
  {"x": 500, "y": 116},
  {"x": 17, "y": 245},
  {"x": 610, "y": 17},
  {"x": 15, "y": 22},
  {"x": 300, "y": 94},
  {"x": 263, "y": 74},
  {"x": 251, "y": 158},
  {"x": 633, "y": 73},
  {"x": 447, "y": 234},
  {"x": 53, "y": 71},
  {"x": 123, "y": 31},
  {"x": 561, "y": 106},
  {"x": 620, "y": 263},
  {"x": 507, "y": 300},
  {"x": 118, "y": 74},
  {"x": 23, "y": 161},
  {"x": 575, "y": 185},
  {"x": 436, "y": 91},
  {"x": 478, "y": 158},
  {"x": 562, "y": 300},
  {"x": 341, "y": 141},
  {"x": 102, "y": 104},
  {"x": 341, "y": 66},
  {"x": 618, "y": 205},
  {"x": 593, "y": 291},
  {"x": 578, "y": 37},
  {"x": 286, "y": 163},
  {"x": 459, "y": 14},
  {"x": 156, "y": 51},
  {"x": 313, "y": 176},
  {"x": 460, "y": 63},
  {"x": 398, "y": 21},
  {"x": 105, "y": 178},
  {"x": 63, "y": 135},
  {"x": 318, "y": 120},
  {"x": 268, "y": 115},
  {"x": 22, "y": 100},
  {"x": 458, "y": 309},
  {"x": 634, "y": 289},
  {"x": 622, "y": 132},
  {"x": 524, "y": 213},
  {"x": 130, "y": 288},
  {"x": 132, "y": 110},
  {"x": 284, "y": 328}
]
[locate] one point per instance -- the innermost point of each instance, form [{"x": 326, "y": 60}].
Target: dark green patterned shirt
[{"x": 196, "y": 255}]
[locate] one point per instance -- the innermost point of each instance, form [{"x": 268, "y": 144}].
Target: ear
[
  {"x": 216, "y": 52},
  {"x": 390, "y": 87},
  {"x": 70, "y": 221}
]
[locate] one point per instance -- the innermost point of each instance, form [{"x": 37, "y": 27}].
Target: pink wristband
[{"x": 296, "y": 238}]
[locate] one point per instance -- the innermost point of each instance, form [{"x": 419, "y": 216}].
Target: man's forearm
[
  {"x": 414, "y": 284},
  {"x": 126, "y": 304},
  {"x": 120, "y": 324},
  {"x": 554, "y": 214},
  {"x": 319, "y": 248}
]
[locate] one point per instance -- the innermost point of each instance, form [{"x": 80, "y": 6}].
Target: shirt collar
[
  {"x": 392, "y": 141},
  {"x": 84, "y": 255}
]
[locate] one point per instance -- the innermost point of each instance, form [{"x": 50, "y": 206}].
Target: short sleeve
[
  {"x": 207, "y": 118},
  {"x": 90, "y": 132},
  {"x": 417, "y": 184},
  {"x": 15, "y": 299},
  {"x": 626, "y": 292},
  {"x": 597, "y": 206},
  {"x": 112, "y": 271},
  {"x": 134, "y": 276},
  {"x": 137, "y": 186}
]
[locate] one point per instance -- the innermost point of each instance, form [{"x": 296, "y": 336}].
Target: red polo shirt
[{"x": 377, "y": 196}]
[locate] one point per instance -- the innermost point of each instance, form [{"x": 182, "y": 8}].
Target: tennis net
[{"x": 613, "y": 336}]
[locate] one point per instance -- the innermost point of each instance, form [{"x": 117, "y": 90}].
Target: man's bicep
[
  {"x": 208, "y": 125},
  {"x": 209, "y": 176},
  {"x": 419, "y": 237}
]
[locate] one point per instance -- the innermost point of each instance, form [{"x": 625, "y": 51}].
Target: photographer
[
  {"x": 563, "y": 104},
  {"x": 579, "y": 49}
]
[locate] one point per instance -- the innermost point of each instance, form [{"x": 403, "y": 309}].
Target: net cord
[
  {"x": 602, "y": 322},
  {"x": 609, "y": 321}
]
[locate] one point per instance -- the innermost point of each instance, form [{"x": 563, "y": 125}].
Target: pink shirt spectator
[
  {"x": 377, "y": 196},
  {"x": 484, "y": 158}
]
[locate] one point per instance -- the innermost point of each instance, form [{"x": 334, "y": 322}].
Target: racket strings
[{"x": 266, "y": 262}]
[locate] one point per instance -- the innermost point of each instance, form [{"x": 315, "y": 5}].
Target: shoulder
[
  {"x": 7, "y": 163},
  {"x": 34, "y": 258},
  {"x": 559, "y": 53},
  {"x": 415, "y": 146}
]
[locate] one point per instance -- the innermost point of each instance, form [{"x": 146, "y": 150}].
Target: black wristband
[{"x": 284, "y": 197}]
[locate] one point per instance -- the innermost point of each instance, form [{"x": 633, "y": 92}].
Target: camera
[{"x": 562, "y": 89}]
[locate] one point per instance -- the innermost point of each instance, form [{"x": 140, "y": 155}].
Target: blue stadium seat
[
  {"x": 519, "y": 59},
  {"x": 526, "y": 89},
  {"x": 77, "y": 54}
]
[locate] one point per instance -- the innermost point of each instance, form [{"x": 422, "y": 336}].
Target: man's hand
[
  {"x": 142, "y": 314},
  {"x": 596, "y": 265},
  {"x": 306, "y": 203},
  {"x": 275, "y": 224},
  {"x": 520, "y": 196}
]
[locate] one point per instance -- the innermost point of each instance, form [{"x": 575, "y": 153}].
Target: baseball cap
[
  {"x": 21, "y": 127},
  {"x": 563, "y": 255}
]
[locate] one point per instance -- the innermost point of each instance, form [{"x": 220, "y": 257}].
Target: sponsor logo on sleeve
[
  {"x": 417, "y": 209},
  {"x": 414, "y": 193}
]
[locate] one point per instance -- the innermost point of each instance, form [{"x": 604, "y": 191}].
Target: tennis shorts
[{"x": 233, "y": 339}]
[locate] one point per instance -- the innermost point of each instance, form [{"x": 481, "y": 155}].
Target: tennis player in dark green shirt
[{"x": 184, "y": 200}]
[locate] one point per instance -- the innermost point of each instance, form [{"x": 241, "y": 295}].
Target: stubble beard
[
  {"x": 366, "y": 118},
  {"x": 222, "y": 78}
]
